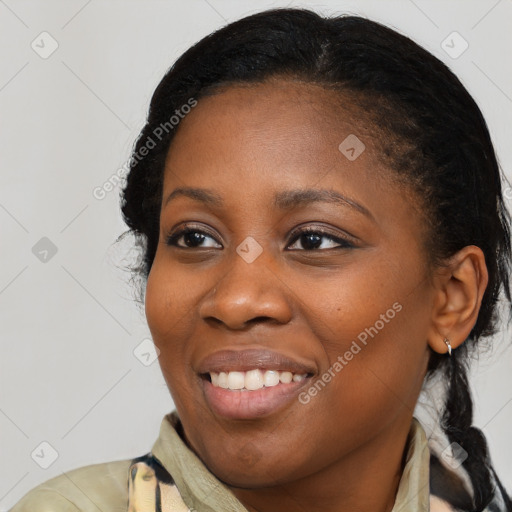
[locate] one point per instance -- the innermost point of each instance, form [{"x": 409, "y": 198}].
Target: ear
[{"x": 459, "y": 288}]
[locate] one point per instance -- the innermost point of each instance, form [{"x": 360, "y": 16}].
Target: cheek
[
  {"x": 373, "y": 331},
  {"x": 169, "y": 300},
  {"x": 165, "y": 307},
  {"x": 169, "y": 316}
]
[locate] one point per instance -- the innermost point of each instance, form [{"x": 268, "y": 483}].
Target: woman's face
[{"x": 302, "y": 256}]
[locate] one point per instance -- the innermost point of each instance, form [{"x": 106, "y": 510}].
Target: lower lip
[{"x": 244, "y": 404}]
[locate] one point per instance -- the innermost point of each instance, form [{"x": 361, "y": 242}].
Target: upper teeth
[{"x": 253, "y": 379}]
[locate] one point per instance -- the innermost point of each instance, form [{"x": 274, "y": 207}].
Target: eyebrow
[
  {"x": 291, "y": 198},
  {"x": 199, "y": 194},
  {"x": 285, "y": 200}
]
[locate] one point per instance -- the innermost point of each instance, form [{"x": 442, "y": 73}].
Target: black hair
[{"x": 433, "y": 136}]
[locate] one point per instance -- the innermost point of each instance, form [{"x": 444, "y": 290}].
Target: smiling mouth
[
  {"x": 243, "y": 395},
  {"x": 252, "y": 383},
  {"x": 252, "y": 380}
]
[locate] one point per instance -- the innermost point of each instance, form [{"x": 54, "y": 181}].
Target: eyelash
[{"x": 343, "y": 242}]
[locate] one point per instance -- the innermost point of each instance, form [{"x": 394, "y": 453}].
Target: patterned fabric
[{"x": 151, "y": 488}]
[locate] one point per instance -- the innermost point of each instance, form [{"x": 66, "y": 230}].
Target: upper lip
[{"x": 244, "y": 360}]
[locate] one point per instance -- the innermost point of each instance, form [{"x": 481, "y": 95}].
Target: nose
[{"x": 248, "y": 293}]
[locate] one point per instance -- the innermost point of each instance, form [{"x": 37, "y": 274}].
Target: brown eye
[
  {"x": 314, "y": 239},
  {"x": 190, "y": 238}
]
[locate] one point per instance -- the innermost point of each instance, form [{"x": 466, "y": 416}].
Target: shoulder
[{"x": 85, "y": 489}]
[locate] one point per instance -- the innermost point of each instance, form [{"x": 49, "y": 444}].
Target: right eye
[{"x": 190, "y": 238}]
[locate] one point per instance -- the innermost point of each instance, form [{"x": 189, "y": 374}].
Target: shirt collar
[{"x": 414, "y": 488}]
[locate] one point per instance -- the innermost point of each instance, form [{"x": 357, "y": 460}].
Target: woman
[{"x": 323, "y": 231}]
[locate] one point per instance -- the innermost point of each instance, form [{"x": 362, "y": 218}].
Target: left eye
[{"x": 313, "y": 240}]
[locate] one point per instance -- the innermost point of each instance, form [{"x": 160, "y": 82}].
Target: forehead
[{"x": 281, "y": 127}]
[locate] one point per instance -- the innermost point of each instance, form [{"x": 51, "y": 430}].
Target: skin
[{"x": 247, "y": 143}]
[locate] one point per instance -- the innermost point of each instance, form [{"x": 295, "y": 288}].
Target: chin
[
  {"x": 250, "y": 479},
  {"x": 254, "y": 471}
]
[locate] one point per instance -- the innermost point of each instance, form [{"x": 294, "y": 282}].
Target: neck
[{"x": 366, "y": 480}]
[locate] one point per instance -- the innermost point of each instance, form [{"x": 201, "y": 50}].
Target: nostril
[
  {"x": 259, "y": 319},
  {"x": 213, "y": 320}
]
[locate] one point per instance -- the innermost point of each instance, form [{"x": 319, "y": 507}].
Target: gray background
[{"x": 69, "y": 326}]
